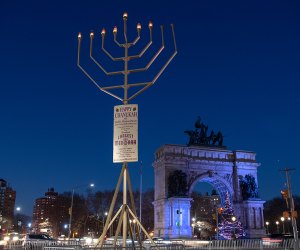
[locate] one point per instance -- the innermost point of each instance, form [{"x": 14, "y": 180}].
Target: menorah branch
[
  {"x": 106, "y": 52},
  {"x": 154, "y": 57},
  {"x": 161, "y": 70},
  {"x": 146, "y": 47},
  {"x": 97, "y": 63},
  {"x": 88, "y": 75}
]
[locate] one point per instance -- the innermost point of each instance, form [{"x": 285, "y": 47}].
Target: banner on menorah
[{"x": 125, "y": 133}]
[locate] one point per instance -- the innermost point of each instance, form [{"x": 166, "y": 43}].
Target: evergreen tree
[{"x": 230, "y": 226}]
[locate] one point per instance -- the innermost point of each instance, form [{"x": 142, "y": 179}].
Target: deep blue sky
[{"x": 237, "y": 67}]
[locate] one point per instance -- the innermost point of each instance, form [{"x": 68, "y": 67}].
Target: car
[
  {"x": 157, "y": 240},
  {"x": 33, "y": 240},
  {"x": 10, "y": 238},
  {"x": 119, "y": 241}
]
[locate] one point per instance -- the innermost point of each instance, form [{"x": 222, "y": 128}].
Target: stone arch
[
  {"x": 218, "y": 183},
  {"x": 220, "y": 167}
]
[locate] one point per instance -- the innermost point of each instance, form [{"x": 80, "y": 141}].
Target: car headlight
[
  {"x": 88, "y": 240},
  {"x": 6, "y": 238},
  {"x": 15, "y": 238}
]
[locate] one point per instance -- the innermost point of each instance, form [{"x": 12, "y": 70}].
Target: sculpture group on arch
[{"x": 199, "y": 136}]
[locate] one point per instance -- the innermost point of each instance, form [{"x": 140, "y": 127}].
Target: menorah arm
[
  {"x": 116, "y": 41},
  {"x": 154, "y": 57},
  {"x": 99, "y": 65},
  {"x": 149, "y": 84},
  {"x": 122, "y": 86},
  {"x": 109, "y": 55},
  {"x": 144, "y": 50},
  {"x": 96, "y": 84},
  {"x": 135, "y": 40},
  {"x": 149, "y": 64},
  {"x": 161, "y": 70},
  {"x": 114, "y": 87},
  {"x": 88, "y": 75}
]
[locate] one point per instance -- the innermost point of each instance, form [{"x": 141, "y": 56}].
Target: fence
[{"x": 246, "y": 244}]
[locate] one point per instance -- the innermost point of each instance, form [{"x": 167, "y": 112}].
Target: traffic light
[
  {"x": 220, "y": 210},
  {"x": 286, "y": 214},
  {"x": 285, "y": 193}
]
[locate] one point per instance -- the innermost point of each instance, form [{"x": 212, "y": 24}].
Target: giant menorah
[{"x": 125, "y": 212}]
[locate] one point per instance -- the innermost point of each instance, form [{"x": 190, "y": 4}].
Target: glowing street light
[
  {"x": 103, "y": 218},
  {"x": 277, "y": 225},
  {"x": 267, "y": 224},
  {"x": 283, "y": 229},
  {"x": 193, "y": 225}
]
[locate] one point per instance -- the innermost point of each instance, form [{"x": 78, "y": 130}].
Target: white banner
[{"x": 125, "y": 133}]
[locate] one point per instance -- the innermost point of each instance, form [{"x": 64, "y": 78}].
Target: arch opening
[{"x": 217, "y": 184}]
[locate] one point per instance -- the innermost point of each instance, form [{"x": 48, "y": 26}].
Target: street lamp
[
  {"x": 193, "y": 225},
  {"x": 267, "y": 224},
  {"x": 134, "y": 233},
  {"x": 277, "y": 225},
  {"x": 71, "y": 208},
  {"x": 103, "y": 219},
  {"x": 289, "y": 219},
  {"x": 283, "y": 229},
  {"x": 19, "y": 222}
]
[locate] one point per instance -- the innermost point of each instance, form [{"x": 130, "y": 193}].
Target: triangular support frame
[{"x": 124, "y": 212}]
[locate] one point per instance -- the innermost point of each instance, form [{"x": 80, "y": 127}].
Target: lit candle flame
[
  {"x": 139, "y": 26},
  {"x": 150, "y": 25},
  {"x": 103, "y": 32},
  {"x": 79, "y": 35},
  {"x": 115, "y": 30},
  {"x": 125, "y": 15}
]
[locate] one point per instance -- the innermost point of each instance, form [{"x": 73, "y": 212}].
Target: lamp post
[
  {"x": 267, "y": 224},
  {"x": 277, "y": 225},
  {"x": 193, "y": 225},
  {"x": 283, "y": 229},
  {"x": 19, "y": 222},
  {"x": 134, "y": 233},
  {"x": 288, "y": 228},
  {"x": 217, "y": 222},
  {"x": 71, "y": 208},
  {"x": 233, "y": 218},
  {"x": 103, "y": 219}
]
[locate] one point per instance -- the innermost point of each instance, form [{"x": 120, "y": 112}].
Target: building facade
[
  {"x": 7, "y": 203},
  {"x": 50, "y": 213}
]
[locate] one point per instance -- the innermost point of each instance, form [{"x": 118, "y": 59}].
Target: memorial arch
[{"x": 222, "y": 168}]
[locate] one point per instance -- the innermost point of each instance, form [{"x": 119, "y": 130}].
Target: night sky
[{"x": 238, "y": 67}]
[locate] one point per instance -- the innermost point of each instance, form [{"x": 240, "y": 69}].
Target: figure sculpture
[{"x": 199, "y": 135}]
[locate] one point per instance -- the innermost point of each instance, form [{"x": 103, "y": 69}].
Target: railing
[{"x": 246, "y": 244}]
